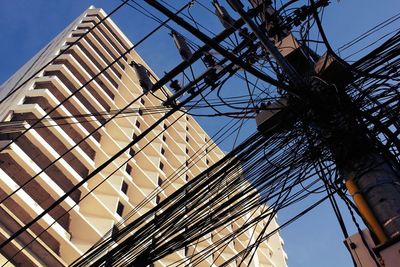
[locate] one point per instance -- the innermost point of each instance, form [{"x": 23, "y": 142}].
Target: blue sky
[{"x": 28, "y": 25}]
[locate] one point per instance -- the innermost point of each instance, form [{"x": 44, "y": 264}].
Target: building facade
[{"x": 93, "y": 210}]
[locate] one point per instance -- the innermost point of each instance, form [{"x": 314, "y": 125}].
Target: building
[{"x": 73, "y": 234}]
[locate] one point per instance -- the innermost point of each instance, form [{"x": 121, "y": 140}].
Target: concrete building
[{"x": 73, "y": 234}]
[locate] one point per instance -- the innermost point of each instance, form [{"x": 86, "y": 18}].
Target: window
[
  {"x": 187, "y": 151},
  {"x": 128, "y": 168},
  {"x": 187, "y": 163},
  {"x": 120, "y": 209},
  {"x": 187, "y": 128},
  {"x": 159, "y": 181},
  {"x": 124, "y": 187},
  {"x": 114, "y": 231},
  {"x": 142, "y": 101},
  {"x": 187, "y": 177},
  {"x": 137, "y": 124},
  {"x": 157, "y": 199},
  {"x": 207, "y": 161},
  {"x": 164, "y": 138},
  {"x": 162, "y": 151},
  {"x": 165, "y": 126},
  {"x": 140, "y": 112},
  {"x": 187, "y": 118},
  {"x": 131, "y": 152},
  {"x": 186, "y": 251},
  {"x": 161, "y": 166},
  {"x": 187, "y": 139},
  {"x": 134, "y": 136}
]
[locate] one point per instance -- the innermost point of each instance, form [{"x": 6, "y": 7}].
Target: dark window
[
  {"x": 128, "y": 168},
  {"x": 120, "y": 208},
  {"x": 207, "y": 162},
  {"x": 165, "y": 126},
  {"x": 187, "y": 128},
  {"x": 186, "y": 251},
  {"x": 187, "y": 163},
  {"x": 159, "y": 181},
  {"x": 114, "y": 231},
  {"x": 206, "y": 149},
  {"x": 157, "y": 199},
  {"x": 187, "y": 177},
  {"x": 131, "y": 152},
  {"x": 138, "y": 124},
  {"x": 164, "y": 138},
  {"x": 140, "y": 112},
  {"x": 161, "y": 166},
  {"x": 187, "y": 118},
  {"x": 142, "y": 101},
  {"x": 187, "y": 139},
  {"x": 134, "y": 136},
  {"x": 162, "y": 151},
  {"x": 124, "y": 187},
  {"x": 187, "y": 151}
]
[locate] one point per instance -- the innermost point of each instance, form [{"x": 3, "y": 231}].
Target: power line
[{"x": 63, "y": 52}]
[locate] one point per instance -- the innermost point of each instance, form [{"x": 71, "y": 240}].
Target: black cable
[
  {"x": 92, "y": 190},
  {"x": 96, "y": 171},
  {"x": 63, "y": 52},
  {"x": 86, "y": 137}
]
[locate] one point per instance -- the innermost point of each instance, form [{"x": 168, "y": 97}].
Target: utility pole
[
  {"x": 371, "y": 177},
  {"x": 317, "y": 88}
]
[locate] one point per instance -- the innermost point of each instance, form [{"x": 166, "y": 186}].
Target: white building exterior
[{"x": 96, "y": 214}]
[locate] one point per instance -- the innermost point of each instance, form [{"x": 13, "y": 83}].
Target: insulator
[
  {"x": 244, "y": 33},
  {"x": 182, "y": 46},
  {"x": 169, "y": 103},
  {"x": 223, "y": 15},
  {"x": 296, "y": 22},
  {"x": 304, "y": 13},
  {"x": 274, "y": 30},
  {"x": 211, "y": 79},
  {"x": 209, "y": 60},
  {"x": 143, "y": 76},
  {"x": 175, "y": 85},
  {"x": 264, "y": 105},
  {"x": 252, "y": 58}
]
